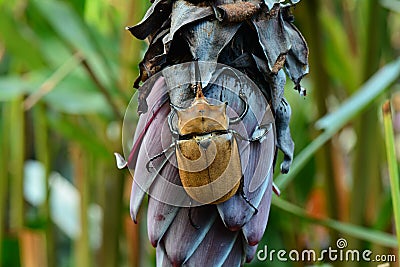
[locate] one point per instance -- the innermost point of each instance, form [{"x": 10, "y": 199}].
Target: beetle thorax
[{"x": 202, "y": 118}]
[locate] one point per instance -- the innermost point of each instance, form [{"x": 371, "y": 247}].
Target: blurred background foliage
[{"x": 66, "y": 70}]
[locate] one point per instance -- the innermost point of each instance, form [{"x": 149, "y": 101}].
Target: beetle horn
[
  {"x": 197, "y": 77},
  {"x": 199, "y": 92},
  {"x": 246, "y": 108}
]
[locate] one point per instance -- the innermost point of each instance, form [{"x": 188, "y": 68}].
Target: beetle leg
[
  {"x": 259, "y": 133},
  {"x": 245, "y": 197},
  {"x": 195, "y": 226},
  {"x": 158, "y": 155},
  {"x": 241, "y": 137},
  {"x": 170, "y": 117}
]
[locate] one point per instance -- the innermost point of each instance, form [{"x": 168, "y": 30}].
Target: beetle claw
[
  {"x": 148, "y": 166},
  {"x": 195, "y": 226},
  {"x": 285, "y": 165}
]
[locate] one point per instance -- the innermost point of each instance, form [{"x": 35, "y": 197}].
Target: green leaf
[
  {"x": 301, "y": 159},
  {"x": 392, "y": 5},
  {"x": 340, "y": 59},
  {"x": 363, "y": 233},
  {"x": 75, "y": 95},
  {"x": 72, "y": 29},
  {"x": 333, "y": 122},
  {"x": 13, "y": 86},
  {"x": 359, "y": 101},
  {"x": 19, "y": 41},
  {"x": 392, "y": 165},
  {"x": 75, "y": 132}
]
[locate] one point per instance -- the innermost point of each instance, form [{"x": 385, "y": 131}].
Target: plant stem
[
  {"x": 366, "y": 164},
  {"x": 324, "y": 162},
  {"x": 129, "y": 48},
  {"x": 393, "y": 168},
  {"x": 4, "y": 124},
  {"x": 102, "y": 89},
  {"x": 17, "y": 156},
  {"x": 82, "y": 248},
  {"x": 112, "y": 206},
  {"x": 43, "y": 155},
  {"x": 129, "y": 55}
]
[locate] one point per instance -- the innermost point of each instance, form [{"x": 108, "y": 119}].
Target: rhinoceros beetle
[{"x": 206, "y": 149}]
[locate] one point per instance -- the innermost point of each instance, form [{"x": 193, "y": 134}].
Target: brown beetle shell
[
  {"x": 209, "y": 162},
  {"x": 209, "y": 167}
]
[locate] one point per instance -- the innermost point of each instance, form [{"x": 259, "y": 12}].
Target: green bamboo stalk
[
  {"x": 324, "y": 155},
  {"x": 112, "y": 206},
  {"x": 82, "y": 248},
  {"x": 130, "y": 47},
  {"x": 17, "y": 156},
  {"x": 366, "y": 164},
  {"x": 4, "y": 123},
  {"x": 15, "y": 165},
  {"x": 42, "y": 152},
  {"x": 130, "y": 54},
  {"x": 393, "y": 168}
]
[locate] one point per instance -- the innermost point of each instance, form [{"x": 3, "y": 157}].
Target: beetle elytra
[{"x": 207, "y": 152}]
